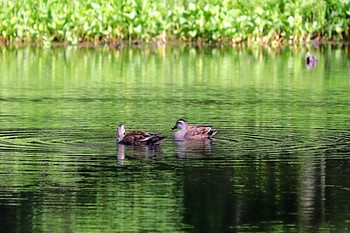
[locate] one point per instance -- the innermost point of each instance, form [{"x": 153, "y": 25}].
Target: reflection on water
[
  {"x": 121, "y": 153},
  {"x": 280, "y": 162},
  {"x": 193, "y": 148},
  {"x": 138, "y": 152}
]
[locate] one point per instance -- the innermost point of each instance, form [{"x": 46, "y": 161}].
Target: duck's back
[
  {"x": 136, "y": 138},
  {"x": 198, "y": 131},
  {"x": 139, "y": 138}
]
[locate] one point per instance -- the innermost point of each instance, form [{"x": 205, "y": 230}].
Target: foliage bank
[{"x": 143, "y": 20}]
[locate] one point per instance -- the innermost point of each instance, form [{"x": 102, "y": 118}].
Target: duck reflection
[
  {"x": 193, "y": 148},
  {"x": 137, "y": 152},
  {"x": 121, "y": 153}
]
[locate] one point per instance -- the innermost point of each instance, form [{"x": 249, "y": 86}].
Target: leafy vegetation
[{"x": 266, "y": 21}]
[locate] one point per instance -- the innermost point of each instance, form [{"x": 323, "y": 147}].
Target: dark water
[{"x": 280, "y": 162}]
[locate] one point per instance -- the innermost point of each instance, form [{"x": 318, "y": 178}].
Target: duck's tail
[
  {"x": 212, "y": 132},
  {"x": 158, "y": 140}
]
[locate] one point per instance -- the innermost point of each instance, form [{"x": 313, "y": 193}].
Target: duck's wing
[
  {"x": 158, "y": 139},
  {"x": 137, "y": 137},
  {"x": 198, "y": 130}
]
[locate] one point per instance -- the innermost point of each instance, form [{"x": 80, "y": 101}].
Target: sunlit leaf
[
  {"x": 130, "y": 15},
  {"x": 291, "y": 20},
  {"x": 192, "y": 33},
  {"x": 191, "y": 6},
  {"x": 95, "y": 5},
  {"x": 138, "y": 29}
]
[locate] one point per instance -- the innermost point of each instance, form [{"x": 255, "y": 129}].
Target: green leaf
[
  {"x": 259, "y": 10},
  {"x": 191, "y": 6},
  {"x": 192, "y": 33},
  {"x": 291, "y": 21},
  {"x": 182, "y": 20},
  {"x": 130, "y": 15},
  {"x": 13, "y": 20},
  {"x": 95, "y": 6},
  {"x": 138, "y": 29}
]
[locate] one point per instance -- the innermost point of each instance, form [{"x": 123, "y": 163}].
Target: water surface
[{"x": 280, "y": 162}]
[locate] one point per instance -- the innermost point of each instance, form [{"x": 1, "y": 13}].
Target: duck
[
  {"x": 195, "y": 132},
  {"x": 310, "y": 59},
  {"x": 138, "y": 138}
]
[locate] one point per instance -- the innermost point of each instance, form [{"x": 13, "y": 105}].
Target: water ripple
[
  {"x": 37, "y": 139},
  {"x": 279, "y": 140}
]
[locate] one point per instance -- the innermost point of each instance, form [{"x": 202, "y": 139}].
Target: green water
[{"x": 280, "y": 162}]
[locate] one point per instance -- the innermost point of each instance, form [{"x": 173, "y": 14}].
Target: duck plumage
[
  {"x": 196, "y": 132},
  {"x": 138, "y": 138}
]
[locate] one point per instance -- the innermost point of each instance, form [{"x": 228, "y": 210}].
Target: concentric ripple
[{"x": 43, "y": 140}]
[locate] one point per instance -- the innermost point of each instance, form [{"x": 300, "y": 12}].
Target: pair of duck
[{"x": 185, "y": 132}]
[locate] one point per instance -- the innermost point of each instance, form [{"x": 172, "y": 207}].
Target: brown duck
[
  {"x": 138, "y": 138},
  {"x": 196, "y": 132}
]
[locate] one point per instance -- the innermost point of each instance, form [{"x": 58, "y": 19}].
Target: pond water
[{"x": 280, "y": 162}]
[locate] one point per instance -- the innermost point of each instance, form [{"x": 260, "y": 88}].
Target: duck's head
[
  {"x": 120, "y": 132},
  {"x": 180, "y": 124}
]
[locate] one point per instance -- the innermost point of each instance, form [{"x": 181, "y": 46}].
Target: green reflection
[{"x": 279, "y": 163}]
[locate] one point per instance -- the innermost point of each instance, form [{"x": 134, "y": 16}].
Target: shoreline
[{"x": 173, "y": 42}]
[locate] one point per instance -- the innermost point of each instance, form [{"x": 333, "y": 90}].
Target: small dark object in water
[{"x": 310, "y": 60}]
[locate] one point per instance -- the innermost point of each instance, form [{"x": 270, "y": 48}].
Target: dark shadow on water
[{"x": 226, "y": 199}]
